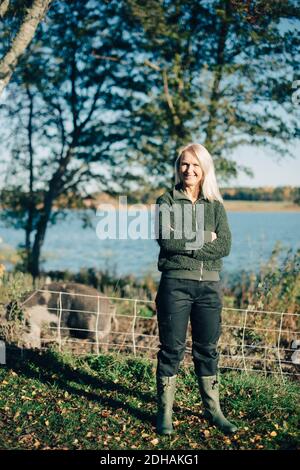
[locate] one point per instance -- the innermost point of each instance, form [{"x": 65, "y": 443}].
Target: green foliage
[
  {"x": 54, "y": 401},
  {"x": 296, "y": 198},
  {"x": 146, "y": 312},
  {"x": 135, "y": 369},
  {"x": 204, "y": 70},
  {"x": 13, "y": 286},
  {"x": 276, "y": 287}
]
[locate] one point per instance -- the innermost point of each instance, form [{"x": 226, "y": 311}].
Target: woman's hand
[{"x": 213, "y": 236}]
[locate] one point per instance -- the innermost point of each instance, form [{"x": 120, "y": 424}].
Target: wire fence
[{"x": 251, "y": 341}]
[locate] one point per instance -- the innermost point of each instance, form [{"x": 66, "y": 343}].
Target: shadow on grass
[{"x": 43, "y": 365}]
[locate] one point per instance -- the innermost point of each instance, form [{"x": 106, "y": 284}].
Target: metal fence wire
[{"x": 251, "y": 341}]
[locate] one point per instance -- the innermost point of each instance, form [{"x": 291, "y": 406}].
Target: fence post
[
  {"x": 278, "y": 346},
  {"x": 59, "y": 322},
  {"x": 133, "y": 327},
  {"x": 97, "y": 323},
  {"x": 243, "y": 342}
]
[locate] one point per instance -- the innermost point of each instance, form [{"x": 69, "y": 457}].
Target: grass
[{"x": 54, "y": 401}]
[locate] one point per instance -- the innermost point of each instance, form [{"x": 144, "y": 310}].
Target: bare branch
[
  {"x": 121, "y": 61},
  {"x": 93, "y": 106},
  {"x": 82, "y": 176},
  {"x": 151, "y": 65},
  {"x": 106, "y": 57},
  {"x": 167, "y": 94}
]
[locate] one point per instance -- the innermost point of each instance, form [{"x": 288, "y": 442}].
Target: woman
[{"x": 190, "y": 283}]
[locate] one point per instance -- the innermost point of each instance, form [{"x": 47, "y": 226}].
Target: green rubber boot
[
  {"x": 209, "y": 390},
  {"x": 165, "y": 397}
]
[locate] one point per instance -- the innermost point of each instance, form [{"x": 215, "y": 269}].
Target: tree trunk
[
  {"x": 31, "y": 204},
  {"x": 34, "y": 259},
  {"x": 24, "y": 36},
  {"x": 56, "y": 186}
]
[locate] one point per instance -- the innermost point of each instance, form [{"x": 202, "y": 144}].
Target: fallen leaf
[
  {"x": 194, "y": 445},
  {"x": 154, "y": 441}
]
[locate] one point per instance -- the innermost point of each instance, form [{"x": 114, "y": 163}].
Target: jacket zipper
[{"x": 201, "y": 266}]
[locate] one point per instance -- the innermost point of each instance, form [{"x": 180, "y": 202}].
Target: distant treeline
[
  {"x": 18, "y": 200},
  {"x": 280, "y": 193},
  {"x": 264, "y": 193}
]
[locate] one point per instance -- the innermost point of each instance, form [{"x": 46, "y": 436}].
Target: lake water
[{"x": 70, "y": 246}]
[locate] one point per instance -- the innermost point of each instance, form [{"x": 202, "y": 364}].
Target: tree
[
  {"x": 219, "y": 72},
  {"x": 296, "y": 196},
  {"x": 27, "y": 27},
  {"x": 59, "y": 98},
  {"x": 117, "y": 87}
]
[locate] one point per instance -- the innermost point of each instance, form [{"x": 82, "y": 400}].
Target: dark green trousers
[{"x": 179, "y": 301}]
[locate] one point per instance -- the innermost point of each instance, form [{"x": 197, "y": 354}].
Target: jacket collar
[{"x": 178, "y": 193}]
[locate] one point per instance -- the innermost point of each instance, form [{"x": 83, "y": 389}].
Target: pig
[{"x": 70, "y": 305}]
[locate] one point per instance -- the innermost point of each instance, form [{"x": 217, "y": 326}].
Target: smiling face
[{"x": 190, "y": 170}]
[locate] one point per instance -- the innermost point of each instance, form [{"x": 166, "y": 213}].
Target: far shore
[
  {"x": 261, "y": 206},
  {"x": 230, "y": 205}
]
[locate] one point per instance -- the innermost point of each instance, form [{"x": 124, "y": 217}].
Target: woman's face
[{"x": 189, "y": 169}]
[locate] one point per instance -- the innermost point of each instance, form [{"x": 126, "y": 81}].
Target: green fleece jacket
[{"x": 174, "y": 254}]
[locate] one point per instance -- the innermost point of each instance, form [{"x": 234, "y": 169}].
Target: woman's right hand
[{"x": 213, "y": 236}]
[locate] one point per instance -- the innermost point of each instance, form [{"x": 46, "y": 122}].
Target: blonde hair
[{"x": 209, "y": 182}]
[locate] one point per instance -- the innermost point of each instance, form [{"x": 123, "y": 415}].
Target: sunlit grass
[{"x": 108, "y": 402}]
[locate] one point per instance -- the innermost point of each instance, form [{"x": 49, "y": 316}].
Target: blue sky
[{"x": 268, "y": 170}]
